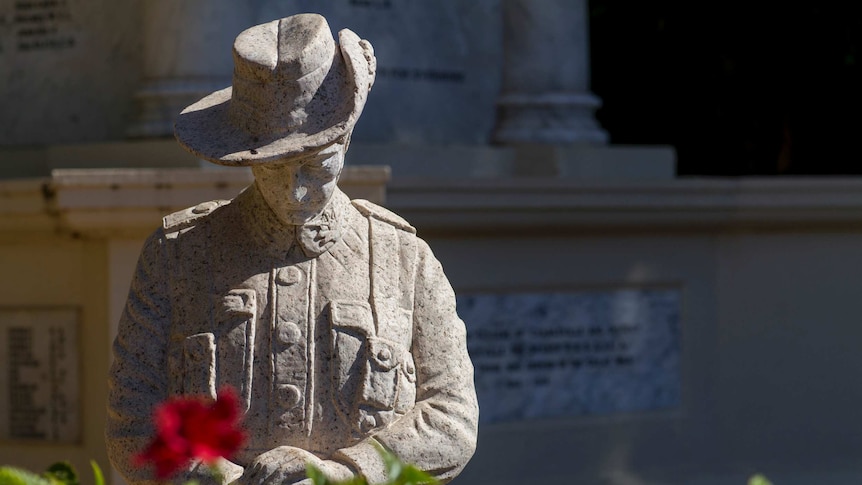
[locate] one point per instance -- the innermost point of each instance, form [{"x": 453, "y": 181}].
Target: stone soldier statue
[{"x": 333, "y": 321}]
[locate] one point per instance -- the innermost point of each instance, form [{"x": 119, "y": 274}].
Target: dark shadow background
[{"x": 738, "y": 87}]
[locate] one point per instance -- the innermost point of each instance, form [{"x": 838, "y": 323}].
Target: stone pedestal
[
  {"x": 546, "y": 74},
  {"x": 187, "y": 55}
]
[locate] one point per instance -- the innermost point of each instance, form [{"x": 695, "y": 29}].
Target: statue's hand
[
  {"x": 227, "y": 470},
  {"x": 221, "y": 472},
  {"x": 284, "y": 464},
  {"x": 333, "y": 470}
]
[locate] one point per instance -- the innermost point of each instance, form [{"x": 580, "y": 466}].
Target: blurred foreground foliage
[
  {"x": 62, "y": 473},
  {"x": 399, "y": 473}
]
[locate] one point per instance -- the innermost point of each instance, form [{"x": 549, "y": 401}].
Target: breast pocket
[
  {"x": 389, "y": 384},
  {"x": 199, "y": 365},
  {"x": 352, "y": 324},
  {"x": 235, "y": 315},
  {"x": 374, "y": 377}
]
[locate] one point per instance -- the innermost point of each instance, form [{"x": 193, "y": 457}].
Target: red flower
[{"x": 189, "y": 428}]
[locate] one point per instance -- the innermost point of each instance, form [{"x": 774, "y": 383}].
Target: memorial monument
[{"x": 331, "y": 318}]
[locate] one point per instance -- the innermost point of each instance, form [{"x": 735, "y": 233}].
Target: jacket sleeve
[
  {"x": 137, "y": 379},
  {"x": 439, "y": 434}
]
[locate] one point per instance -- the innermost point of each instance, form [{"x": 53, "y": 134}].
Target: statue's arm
[
  {"x": 137, "y": 379},
  {"x": 439, "y": 434}
]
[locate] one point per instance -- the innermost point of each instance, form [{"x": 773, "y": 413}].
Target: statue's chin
[{"x": 297, "y": 217}]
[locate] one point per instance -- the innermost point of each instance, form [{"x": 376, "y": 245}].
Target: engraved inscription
[
  {"x": 37, "y": 349},
  {"x": 575, "y": 353},
  {"x": 40, "y": 25},
  {"x": 24, "y": 413},
  {"x": 382, "y": 4},
  {"x": 540, "y": 349},
  {"x": 431, "y": 75}
]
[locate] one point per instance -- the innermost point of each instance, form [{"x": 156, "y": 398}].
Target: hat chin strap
[{"x": 345, "y": 140}]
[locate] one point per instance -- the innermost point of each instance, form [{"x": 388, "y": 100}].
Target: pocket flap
[
  {"x": 353, "y": 315},
  {"x": 240, "y": 302}
]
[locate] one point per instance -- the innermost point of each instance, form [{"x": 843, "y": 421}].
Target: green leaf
[
  {"x": 317, "y": 477},
  {"x": 62, "y": 473},
  {"x": 758, "y": 480},
  {"x": 410, "y": 475},
  {"x": 98, "y": 478},
  {"x": 400, "y": 473},
  {"x": 16, "y": 476},
  {"x": 392, "y": 463}
]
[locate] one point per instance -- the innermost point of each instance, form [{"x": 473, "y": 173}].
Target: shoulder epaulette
[
  {"x": 187, "y": 217},
  {"x": 370, "y": 209}
]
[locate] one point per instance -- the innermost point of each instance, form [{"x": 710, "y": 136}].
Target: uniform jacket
[{"x": 335, "y": 334}]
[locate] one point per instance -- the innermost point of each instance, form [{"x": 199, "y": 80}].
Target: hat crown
[
  {"x": 305, "y": 44},
  {"x": 289, "y": 48},
  {"x": 279, "y": 68}
]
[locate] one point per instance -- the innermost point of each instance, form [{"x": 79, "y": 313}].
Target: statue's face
[{"x": 297, "y": 190}]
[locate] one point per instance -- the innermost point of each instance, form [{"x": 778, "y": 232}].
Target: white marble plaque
[
  {"x": 547, "y": 355},
  {"x": 438, "y": 65},
  {"x": 39, "y": 396}
]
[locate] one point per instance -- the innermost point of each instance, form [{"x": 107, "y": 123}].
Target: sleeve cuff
[{"x": 365, "y": 459}]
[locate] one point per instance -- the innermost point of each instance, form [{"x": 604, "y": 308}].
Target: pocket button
[{"x": 384, "y": 355}]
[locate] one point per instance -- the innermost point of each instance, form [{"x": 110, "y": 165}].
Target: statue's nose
[
  {"x": 295, "y": 185},
  {"x": 298, "y": 193}
]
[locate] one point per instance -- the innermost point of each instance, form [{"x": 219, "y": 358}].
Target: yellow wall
[{"x": 59, "y": 271}]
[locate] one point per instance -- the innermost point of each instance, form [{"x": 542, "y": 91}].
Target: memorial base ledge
[{"x": 130, "y": 203}]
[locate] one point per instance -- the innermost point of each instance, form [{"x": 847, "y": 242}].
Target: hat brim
[{"x": 205, "y": 128}]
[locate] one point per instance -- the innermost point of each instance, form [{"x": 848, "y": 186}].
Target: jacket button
[
  {"x": 289, "y": 275},
  {"x": 289, "y": 333},
  {"x": 289, "y": 395},
  {"x": 292, "y": 417},
  {"x": 367, "y": 423}
]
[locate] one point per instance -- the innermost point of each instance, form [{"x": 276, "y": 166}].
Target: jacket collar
[{"x": 313, "y": 238}]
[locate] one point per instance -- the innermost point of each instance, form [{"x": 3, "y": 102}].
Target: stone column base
[{"x": 563, "y": 118}]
